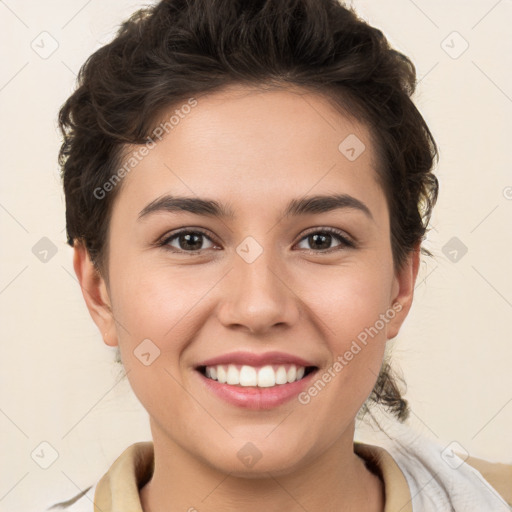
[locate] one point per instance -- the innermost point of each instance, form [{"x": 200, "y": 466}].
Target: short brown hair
[{"x": 177, "y": 49}]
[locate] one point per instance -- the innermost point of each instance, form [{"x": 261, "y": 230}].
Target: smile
[
  {"x": 261, "y": 377},
  {"x": 256, "y": 388}
]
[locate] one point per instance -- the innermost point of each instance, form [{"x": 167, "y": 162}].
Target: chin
[
  {"x": 248, "y": 461},
  {"x": 260, "y": 470}
]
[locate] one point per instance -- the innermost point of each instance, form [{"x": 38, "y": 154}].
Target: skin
[{"x": 254, "y": 151}]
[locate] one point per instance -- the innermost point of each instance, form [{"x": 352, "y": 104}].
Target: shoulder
[
  {"x": 440, "y": 479},
  {"x": 439, "y": 475},
  {"x": 497, "y": 474},
  {"x": 80, "y": 502},
  {"x": 118, "y": 485}
]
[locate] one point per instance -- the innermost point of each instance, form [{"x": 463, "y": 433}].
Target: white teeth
[
  {"x": 266, "y": 377},
  {"x": 292, "y": 373},
  {"x": 281, "y": 376},
  {"x": 233, "y": 375},
  {"x": 221, "y": 374},
  {"x": 263, "y": 377},
  {"x": 248, "y": 376}
]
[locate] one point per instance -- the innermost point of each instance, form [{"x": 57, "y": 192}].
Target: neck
[{"x": 338, "y": 480}]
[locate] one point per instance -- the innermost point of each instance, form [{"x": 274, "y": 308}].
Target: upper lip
[{"x": 252, "y": 359}]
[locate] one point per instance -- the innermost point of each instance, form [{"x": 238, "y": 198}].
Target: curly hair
[{"x": 179, "y": 49}]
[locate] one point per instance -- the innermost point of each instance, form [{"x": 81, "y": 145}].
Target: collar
[
  {"x": 396, "y": 489},
  {"x": 118, "y": 489}
]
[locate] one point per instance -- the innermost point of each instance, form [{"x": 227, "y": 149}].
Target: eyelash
[{"x": 345, "y": 242}]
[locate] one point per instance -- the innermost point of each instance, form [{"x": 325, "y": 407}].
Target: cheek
[
  {"x": 350, "y": 301},
  {"x": 350, "y": 306},
  {"x": 160, "y": 304},
  {"x": 154, "y": 301},
  {"x": 161, "y": 310},
  {"x": 156, "y": 309}
]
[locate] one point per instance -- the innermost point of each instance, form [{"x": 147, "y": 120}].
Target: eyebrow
[{"x": 296, "y": 207}]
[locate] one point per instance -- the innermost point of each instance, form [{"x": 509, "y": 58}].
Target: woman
[{"x": 247, "y": 188}]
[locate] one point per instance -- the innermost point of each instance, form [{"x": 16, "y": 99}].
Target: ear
[
  {"x": 403, "y": 291},
  {"x": 95, "y": 294}
]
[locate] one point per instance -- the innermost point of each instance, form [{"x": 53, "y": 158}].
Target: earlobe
[
  {"x": 95, "y": 293},
  {"x": 403, "y": 291}
]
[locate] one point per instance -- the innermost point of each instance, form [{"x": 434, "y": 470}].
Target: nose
[{"x": 257, "y": 296}]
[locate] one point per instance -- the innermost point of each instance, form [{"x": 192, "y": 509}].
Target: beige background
[{"x": 59, "y": 384}]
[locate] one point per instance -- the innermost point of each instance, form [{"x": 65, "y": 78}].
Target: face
[{"x": 273, "y": 275}]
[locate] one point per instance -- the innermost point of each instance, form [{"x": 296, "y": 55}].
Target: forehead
[{"x": 250, "y": 146}]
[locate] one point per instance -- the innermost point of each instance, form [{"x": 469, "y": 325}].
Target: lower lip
[{"x": 252, "y": 397}]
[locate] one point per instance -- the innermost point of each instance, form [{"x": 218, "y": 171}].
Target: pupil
[
  {"x": 190, "y": 244},
  {"x": 325, "y": 238}
]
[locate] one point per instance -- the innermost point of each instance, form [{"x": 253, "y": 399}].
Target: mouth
[
  {"x": 256, "y": 388},
  {"x": 255, "y": 381},
  {"x": 267, "y": 376}
]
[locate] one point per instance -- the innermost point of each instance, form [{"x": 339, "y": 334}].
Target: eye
[
  {"x": 193, "y": 241},
  {"x": 321, "y": 240},
  {"x": 187, "y": 241}
]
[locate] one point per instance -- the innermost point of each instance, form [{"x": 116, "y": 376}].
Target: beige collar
[
  {"x": 398, "y": 495},
  {"x": 118, "y": 489}
]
